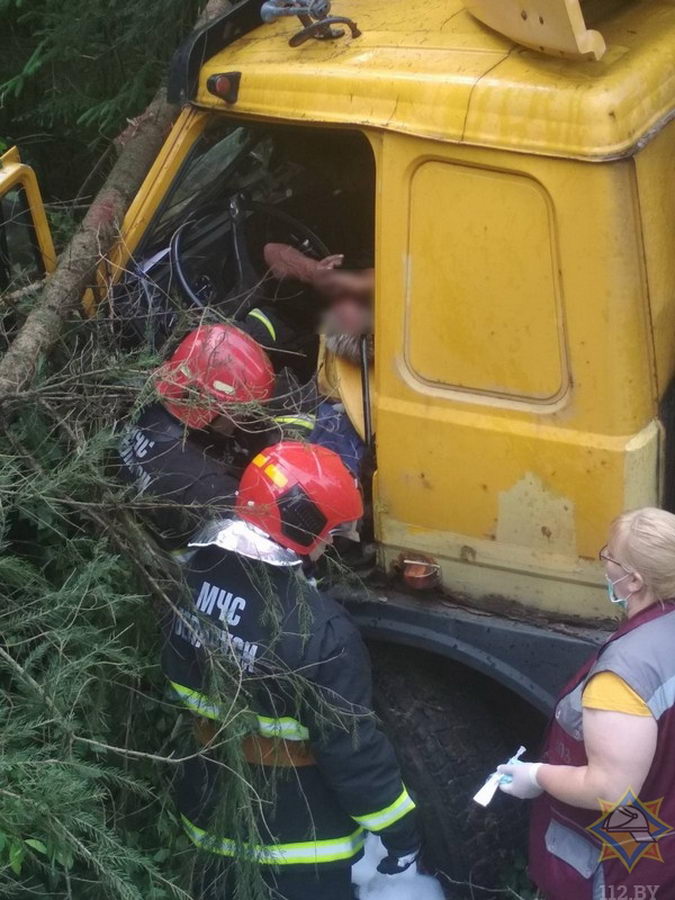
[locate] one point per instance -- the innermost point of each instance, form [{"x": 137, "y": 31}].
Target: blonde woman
[{"x": 613, "y": 732}]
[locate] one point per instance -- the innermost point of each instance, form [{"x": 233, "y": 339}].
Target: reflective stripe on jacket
[
  {"x": 300, "y": 853},
  {"x": 355, "y": 780}
]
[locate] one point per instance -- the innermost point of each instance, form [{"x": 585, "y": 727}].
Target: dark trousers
[{"x": 217, "y": 882}]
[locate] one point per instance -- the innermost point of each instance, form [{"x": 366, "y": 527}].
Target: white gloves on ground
[{"x": 521, "y": 780}]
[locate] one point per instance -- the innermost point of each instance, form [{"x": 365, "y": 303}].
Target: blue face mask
[{"x": 620, "y": 601}]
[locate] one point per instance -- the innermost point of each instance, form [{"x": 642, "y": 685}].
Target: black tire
[{"x": 451, "y": 727}]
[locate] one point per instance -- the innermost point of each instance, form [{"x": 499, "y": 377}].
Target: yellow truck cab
[{"x": 512, "y": 165}]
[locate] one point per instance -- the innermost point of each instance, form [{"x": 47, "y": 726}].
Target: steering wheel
[
  {"x": 241, "y": 286},
  {"x": 142, "y": 307}
]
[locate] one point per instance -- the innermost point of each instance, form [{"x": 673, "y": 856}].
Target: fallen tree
[
  {"x": 92, "y": 740},
  {"x": 92, "y": 240}
]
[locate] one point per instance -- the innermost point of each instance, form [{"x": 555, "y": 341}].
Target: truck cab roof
[{"x": 436, "y": 71}]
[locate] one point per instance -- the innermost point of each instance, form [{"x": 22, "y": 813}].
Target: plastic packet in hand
[{"x": 489, "y": 789}]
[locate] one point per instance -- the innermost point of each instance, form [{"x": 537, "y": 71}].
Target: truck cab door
[{"x": 26, "y": 246}]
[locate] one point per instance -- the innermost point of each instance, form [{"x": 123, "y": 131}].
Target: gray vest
[{"x": 644, "y": 658}]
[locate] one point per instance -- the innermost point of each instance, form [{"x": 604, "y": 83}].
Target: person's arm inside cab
[{"x": 285, "y": 261}]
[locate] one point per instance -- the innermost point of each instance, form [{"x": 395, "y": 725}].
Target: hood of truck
[{"x": 433, "y": 70}]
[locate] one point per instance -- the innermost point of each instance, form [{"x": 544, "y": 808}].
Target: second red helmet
[
  {"x": 212, "y": 366},
  {"x": 297, "y": 494}
]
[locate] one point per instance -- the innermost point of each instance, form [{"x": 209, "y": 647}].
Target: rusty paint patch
[{"x": 531, "y": 515}]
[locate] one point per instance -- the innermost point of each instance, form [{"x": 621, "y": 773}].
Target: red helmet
[
  {"x": 297, "y": 494},
  {"x": 218, "y": 363}
]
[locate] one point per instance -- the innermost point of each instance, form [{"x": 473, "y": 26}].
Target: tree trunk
[{"x": 140, "y": 144}]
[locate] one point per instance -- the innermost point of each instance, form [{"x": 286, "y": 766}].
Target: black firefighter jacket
[
  {"x": 185, "y": 477},
  {"x": 180, "y": 475},
  {"x": 321, "y": 811}
]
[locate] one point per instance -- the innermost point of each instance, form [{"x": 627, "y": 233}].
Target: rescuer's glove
[
  {"x": 396, "y": 865},
  {"x": 520, "y": 779}
]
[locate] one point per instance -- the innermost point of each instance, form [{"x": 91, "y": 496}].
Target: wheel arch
[{"x": 531, "y": 659}]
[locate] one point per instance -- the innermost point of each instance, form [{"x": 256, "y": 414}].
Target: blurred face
[{"x": 350, "y": 302}]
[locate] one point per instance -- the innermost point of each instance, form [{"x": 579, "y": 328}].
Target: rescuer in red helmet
[
  {"x": 216, "y": 378},
  {"x": 252, "y": 609}
]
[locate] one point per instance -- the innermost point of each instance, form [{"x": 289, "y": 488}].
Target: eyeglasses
[{"x": 604, "y": 556}]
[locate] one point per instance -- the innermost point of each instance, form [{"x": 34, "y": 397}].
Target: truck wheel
[{"x": 451, "y": 727}]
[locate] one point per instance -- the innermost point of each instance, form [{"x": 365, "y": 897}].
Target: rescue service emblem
[{"x": 630, "y": 830}]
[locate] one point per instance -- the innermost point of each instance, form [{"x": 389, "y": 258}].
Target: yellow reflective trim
[
  {"x": 261, "y": 317},
  {"x": 307, "y": 422},
  {"x": 304, "y": 853},
  {"x": 196, "y": 702},
  {"x": 383, "y": 818},
  {"x": 284, "y": 727},
  {"x": 276, "y": 475},
  {"x": 259, "y": 460}
]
